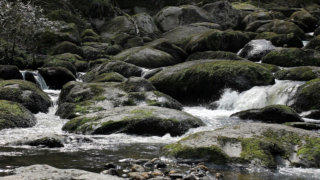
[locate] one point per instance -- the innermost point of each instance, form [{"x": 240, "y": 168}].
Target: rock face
[
  {"x": 291, "y": 57},
  {"x": 146, "y": 120},
  {"x": 255, "y": 50},
  {"x": 8, "y": 72},
  {"x": 203, "y": 80},
  {"x": 308, "y": 97},
  {"x": 56, "y": 77},
  {"x": 305, "y": 73},
  {"x": 270, "y": 114},
  {"x": 216, "y": 40},
  {"x": 14, "y": 115},
  {"x": 263, "y": 144},
  {"x": 171, "y": 17},
  {"x": 48, "y": 172},
  {"x": 26, "y": 93}
]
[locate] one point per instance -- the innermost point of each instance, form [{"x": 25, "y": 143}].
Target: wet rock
[
  {"x": 292, "y": 57},
  {"x": 56, "y": 77},
  {"x": 138, "y": 84},
  {"x": 281, "y": 27},
  {"x": 214, "y": 55},
  {"x": 314, "y": 115},
  {"x": 148, "y": 74},
  {"x": 49, "y": 142},
  {"x": 281, "y": 40},
  {"x": 48, "y": 172},
  {"x": 203, "y": 80},
  {"x": 260, "y": 16},
  {"x": 14, "y": 115},
  {"x": 109, "y": 77},
  {"x": 28, "y": 76},
  {"x": 25, "y": 93},
  {"x": 216, "y": 40},
  {"x": 255, "y": 50},
  {"x": 110, "y": 165},
  {"x": 61, "y": 63},
  {"x": 304, "y": 20},
  {"x": 307, "y": 97},
  {"x": 314, "y": 44},
  {"x": 246, "y": 142},
  {"x": 8, "y": 72},
  {"x": 137, "y": 168},
  {"x": 172, "y": 17},
  {"x": 146, "y": 24},
  {"x": 224, "y": 14},
  {"x": 270, "y": 114},
  {"x": 111, "y": 171},
  {"x": 304, "y": 125},
  {"x": 134, "y": 120},
  {"x": 305, "y": 73},
  {"x": 317, "y": 32},
  {"x": 139, "y": 175}
]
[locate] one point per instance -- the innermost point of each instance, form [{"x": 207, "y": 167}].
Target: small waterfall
[
  {"x": 260, "y": 96},
  {"x": 37, "y": 76}
]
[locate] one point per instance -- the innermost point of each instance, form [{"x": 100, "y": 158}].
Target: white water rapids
[{"x": 230, "y": 102}]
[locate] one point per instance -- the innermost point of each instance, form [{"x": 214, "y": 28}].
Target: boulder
[
  {"x": 48, "y": 172},
  {"x": 146, "y": 24},
  {"x": 314, "y": 44},
  {"x": 281, "y": 40},
  {"x": 56, "y": 77},
  {"x": 14, "y": 115},
  {"x": 304, "y": 125},
  {"x": 55, "y": 62},
  {"x": 281, "y": 27},
  {"x": 48, "y": 142},
  {"x": 291, "y": 57},
  {"x": 146, "y": 120},
  {"x": 304, "y": 20},
  {"x": 266, "y": 145},
  {"x": 8, "y": 72},
  {"x": 172, "y": 16},
  {"x": 314, "y": 115},
  {"x": 270, "y": 114},
  {"x": 109, "y": 77},
  {"x": 224, "y": 14},
  {"x": 260, "y": 16},
  {"x": 305, "y": 73},
  {"x": 214, "y": 55},
  {"x": 216, "y": 40},
  {"x": 307, "y": 97},
  {"x": 25, "y": 93},
  {"x": 203, "y": 80},
  {"x": 67, "y": 47},
  {"x": 255, "y": 50}
]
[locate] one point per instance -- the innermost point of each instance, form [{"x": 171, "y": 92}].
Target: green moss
[
  {"x": 142, "y": 113},
  {"x": 311, "y": 150},
  {"x": 298, "y": 74},
  {"x": 109, "y": 77},
  {"x": 7, "y": 107},
  {"x": 76, "y": 124},
  {"x": 67, "y": 47}
]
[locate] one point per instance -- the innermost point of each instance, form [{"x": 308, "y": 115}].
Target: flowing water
[{"x": 91, "y": 152}]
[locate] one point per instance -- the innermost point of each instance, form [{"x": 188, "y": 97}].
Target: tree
[{"x": 20, "y": 23}]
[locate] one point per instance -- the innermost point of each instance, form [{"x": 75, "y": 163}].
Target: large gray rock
[
  {"x": 281, "y": 27},
  {"x": 266, "y": 145},
  {"x": 255, "y": 50},
  {"x": 141, "y": 120},
  {"x": 48, "y": 172},
  {"x": 56, "y": 77}
]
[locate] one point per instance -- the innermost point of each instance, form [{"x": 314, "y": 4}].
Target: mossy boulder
[
  {"x": 67, "y": 47},
  {"x": 305, "y": 20},
  {"x": 281, "y": 27},
  {"x": 314, "y": 44},
  {"x": 216, "y": 40},
  {"x": 299, "y": 73},
  {"x": 258, "y": 143},
  {"x": 8, "y": 72},
  {"x": 255, "y": 50},
  {"x": 109, "y": 77},
  {"x": 291, "y": 57},
  {"x": 304, "y": 125},
  {"x": 25, "y": 93},
  {"x": 146, "y": 57},
  {"x": 203, "y": 80},
  {"x": 146, "y": 25},
  {"x": 123, "y": 68},
  {"x": 56, "y": 77},
  {"x": 172, "y": 16},
  {"x": 270, "y": 114},
  {"x": 52, "y": 62},
  {"x": 308, "y": 97},
  {"x": 214, "y": 55},
  {"x": 145, "y": 121},
  {"x": 281, "y": 40},
  {"x": 260, "y": 16},
  {"x": 14, "y": 115}
]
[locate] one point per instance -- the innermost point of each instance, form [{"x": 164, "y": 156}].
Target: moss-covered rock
[
  {"x": 109, "y": 77},
  {"x": 203, "y": 80},
  {"x": 314, "y": 44},
  {"x": 304, "y": 20},
  {"x": 146, "y": 57},
  {"x": 260, "y": 16},
  {"x": 299, "y": 73},
  {"x": 146, "y": 121},
  {"x": 282, "y": 40},
  {"x": 304, "y": 125},
  {"x": 270, "y": 114},
  {"x": 68, "y": 17},
  {"x": 88, "y": 35},
  {"x": 308, "y": 96},
  {"x": 8, "y": 72},
  {"x": 216, "y": 40},
  {"x": 214, "y": 55},
  {"x": 263, "y": 144},
  {"x": 56, "y": 77},
  {"x": 55, "y": 62},
  {"x": 291, "y": 57},
  {"x": 281, "y": 27},
  {"x": 67, "y": 47},
  {"x": 14, "y": 115},
  {"x": 25, "y": 93}
]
